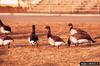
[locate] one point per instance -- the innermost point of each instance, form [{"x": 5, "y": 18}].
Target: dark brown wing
[
  {"x": 69, "y": 42},
  {"x": 56, "y": 38},
  {"x": 7, "y": 28},
  {"x": 7, "y": 38},
  {"x": 82, "y": 36},
  {"x": 80, "y": 31},
  {"x": 34, "y": 37}
]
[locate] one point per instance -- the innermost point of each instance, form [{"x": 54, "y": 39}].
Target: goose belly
[
  {"x": 83, "y": 41},
  {"x": 73, "y": 40},
  {"x": 6, "y": 42},
  {"x": 51, "y": 41},
  {"x": 4, "y": 31},
  {"x": 58, "y": 43},
  {"x": 31, "y": 41},
  {"x": 73, "y": 31}
]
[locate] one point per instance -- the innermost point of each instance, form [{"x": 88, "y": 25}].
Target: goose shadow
[
  {"x": 96, "y": 44},
  {"x": 97, "y": 37},
  {"x": 22, "y": 45},
  {"x": 92, "y": 45},
  {"x": 3, "y": 51}
]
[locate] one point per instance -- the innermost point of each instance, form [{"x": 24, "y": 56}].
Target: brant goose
[
  {"x": 79, "y": 38},
  {"x": 6, "y": 40},
  {"x": 75, "y": 30},
  {"x": 4, "y": 28},
  {"x": 53, "y": 40},
  {"x": 33, "y": 39}
]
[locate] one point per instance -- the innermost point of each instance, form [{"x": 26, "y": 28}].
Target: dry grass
[{"x": 22, "y": 53}]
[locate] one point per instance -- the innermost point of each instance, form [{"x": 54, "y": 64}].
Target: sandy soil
[{"x": 22, "y": 53}]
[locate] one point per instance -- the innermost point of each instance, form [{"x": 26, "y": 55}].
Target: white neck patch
[{"x": 73, "y": 31}]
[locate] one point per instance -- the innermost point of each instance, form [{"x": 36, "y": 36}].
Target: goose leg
[
  {"x": 32, "y": 45},
  {"x": 37, "y": 44},
  {"x": 9, "y": 45},
  {"x": 77, "y": 44},
  {"x": 89, "y": 43},
  {"x": 1, "y": 45},
  {"x": 58, "y": 47},
  {"x": 5, "y": 34},
  {"x": 69, "y": 42}
]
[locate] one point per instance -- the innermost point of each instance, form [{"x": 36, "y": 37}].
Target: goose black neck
[
  {"x": 71, "y": 27},
  {"x": 49, "y": 33},
  {"x": 33, "y": 29},
  {"x": 33, "y": 32},
  {"x": 1, "y": 23}
]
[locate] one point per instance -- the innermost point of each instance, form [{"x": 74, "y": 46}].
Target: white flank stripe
[
  {"x": 58, "y": 43},
  {"x": 6, "y": 42}
]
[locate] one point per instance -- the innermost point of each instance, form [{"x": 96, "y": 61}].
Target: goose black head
[
  {"x": 47, "y": 27},
  {"x": 33, "y": 26},
  {"x": 48, "y": 31},
  {"x": 70, "y": 25}
]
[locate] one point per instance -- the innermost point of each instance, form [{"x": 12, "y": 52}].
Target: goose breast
[
  {"x": 73, "y": 31},
  {"x": 4, "y": 31},
  {"x": 58, "y": 43},
  {"x": 73, "y": 39},
  {"x": 51, "y": 41}
]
